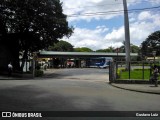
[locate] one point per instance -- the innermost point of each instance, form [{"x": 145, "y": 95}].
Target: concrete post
[
  {"x": 127, "y": 35},
  {"x": 112, "y": 72}
]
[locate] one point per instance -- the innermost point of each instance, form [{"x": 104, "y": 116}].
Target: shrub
[
  {"x": 119, "y": 71},
  {"x": 38, "y": 73},
  {"x": 38, "y": 66}
]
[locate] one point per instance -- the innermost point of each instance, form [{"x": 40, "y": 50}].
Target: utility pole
[{"x": 127, "y": 35}]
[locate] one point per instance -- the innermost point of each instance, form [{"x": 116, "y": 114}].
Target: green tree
[
  {"x": 110, "y": 49},
  {"x": 31, "y": 25},
  {"x": 134, "y": 49},
  {"x": 152, "y": 43},
  {"x": 101, "y": 50},
  {"x": 83, "y": 49},
  {"x": 62, "y": 46}
]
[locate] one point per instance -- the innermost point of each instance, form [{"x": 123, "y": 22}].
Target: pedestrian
[
  {"x": 10, "y": 68},
  {"x": 155, "y": 75}
]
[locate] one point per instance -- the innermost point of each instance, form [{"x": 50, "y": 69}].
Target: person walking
[
  {"x": 10, "y": 68},
  {"x": 155, "y": 75}
]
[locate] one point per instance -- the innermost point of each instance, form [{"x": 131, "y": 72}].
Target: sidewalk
[
  {"x": 144, "y": 88},
  {"x": 24, "y": 77},
  {"x": 10, "y": 78}
]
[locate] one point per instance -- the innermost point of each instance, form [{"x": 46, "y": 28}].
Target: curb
[
  {"x": 16, "y": 78},
  {"x": 141, "y": 91},
  {"x": 133, "y": 81}
]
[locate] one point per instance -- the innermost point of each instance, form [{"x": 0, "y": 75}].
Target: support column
[{"x": 127, "y": 35}]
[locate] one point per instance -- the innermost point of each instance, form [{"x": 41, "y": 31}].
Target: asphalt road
[{"x": 73, "y": 90}]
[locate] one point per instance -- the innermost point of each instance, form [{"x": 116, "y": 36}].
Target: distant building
[{"x": 152, "y": 58}]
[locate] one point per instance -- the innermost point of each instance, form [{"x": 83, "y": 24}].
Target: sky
[{"x": 99, "y": 24}]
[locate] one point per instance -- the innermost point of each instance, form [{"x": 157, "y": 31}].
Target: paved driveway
[
  {"x": 72, "y": 90},
  {"x": 92, "y": 74}
]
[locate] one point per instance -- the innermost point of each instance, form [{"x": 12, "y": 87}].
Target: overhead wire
[
  {"x": 113, "y": 12},
  {"x": 151, "y": 1}
]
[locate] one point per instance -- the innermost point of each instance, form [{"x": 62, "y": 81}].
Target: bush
[
  {"x": 38, "y": 73},
  {"x": 119, "y": 71},
  {"x": 38, "y": 66},
  {"x": 140, "y": 69}
]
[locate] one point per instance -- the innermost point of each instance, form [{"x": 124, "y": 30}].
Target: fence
[{"x": 139, "y": 70}]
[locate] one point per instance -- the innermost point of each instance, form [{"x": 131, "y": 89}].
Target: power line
[
  {"x": 151, "y": 1},
  {"x": 113, "y": 12},
  {"x": 93, "y": 6}
]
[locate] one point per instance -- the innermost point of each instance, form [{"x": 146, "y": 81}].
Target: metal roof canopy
[{"x": 49, "y": 54}]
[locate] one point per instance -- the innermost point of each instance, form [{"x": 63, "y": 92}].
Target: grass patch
[{"x": 135, "y": 74}]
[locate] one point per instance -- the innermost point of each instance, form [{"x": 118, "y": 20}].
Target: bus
[{"x": 100, "y": 62}]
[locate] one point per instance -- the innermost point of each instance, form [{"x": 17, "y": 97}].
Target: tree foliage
[
  {"x": 152, "y": 43},
  {"x": 83, "y": 49},
  {"x": 61, "y": 46},
  {"x": 134, "y": 49},
  {"x": 110, "y": 49},
  {"x": 32, "y": 24}
]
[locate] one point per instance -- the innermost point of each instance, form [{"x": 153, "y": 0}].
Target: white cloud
[
  {"x": 102, "y": 29},
  {"x": 141, "y": 24},
  {"x": 81, "y": 7},
  {"x": 76, "y": 10},
  {"x": 93, "y": 39},
  {"x": 144, "y": 15},
  {"x": 139, "y": 30},
  {"x": 116, "y": 35},
  {"x": 155, "y": 2}
]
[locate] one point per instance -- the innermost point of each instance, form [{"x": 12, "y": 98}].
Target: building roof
[{"x": 48, "y": 54}]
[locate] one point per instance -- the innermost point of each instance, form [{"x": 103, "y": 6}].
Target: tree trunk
[
  {"x": 12, "y": 44},
  {"x": 24, "y": 59}
]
